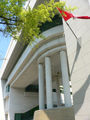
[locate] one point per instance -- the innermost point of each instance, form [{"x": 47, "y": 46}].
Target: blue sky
[{"x": 4, "y": 42}]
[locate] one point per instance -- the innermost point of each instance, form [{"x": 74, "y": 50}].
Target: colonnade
[{"x": 48, "y": 80}]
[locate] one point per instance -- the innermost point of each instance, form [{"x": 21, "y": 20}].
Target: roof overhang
[{"x": 15, "y": 55}]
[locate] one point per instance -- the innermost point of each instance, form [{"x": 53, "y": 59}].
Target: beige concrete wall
[
  {"x": 55, "y": 114},
  {"x": 79, "y": 59},
  {"x": 18, "y": 103}
]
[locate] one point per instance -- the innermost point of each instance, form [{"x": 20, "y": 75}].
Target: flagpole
[
  {"x": 68, "y": 24},
  {"x": 71, "y": 30},
  {"x": 68, "y": 16}
]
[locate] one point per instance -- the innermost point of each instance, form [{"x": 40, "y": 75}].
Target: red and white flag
[{"x": 67, "y": 15}]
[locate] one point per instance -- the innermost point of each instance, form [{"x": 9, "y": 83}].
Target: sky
[{"x": 4, "y": 42}]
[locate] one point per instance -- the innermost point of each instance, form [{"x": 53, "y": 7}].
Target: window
[
  {"x": 8, "y": 88},
  {"x": 31, "y": 88}
]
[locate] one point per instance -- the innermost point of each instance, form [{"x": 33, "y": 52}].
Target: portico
[
  {"x": 46, "y": 77},
  {"x": 44, "y": 66}
]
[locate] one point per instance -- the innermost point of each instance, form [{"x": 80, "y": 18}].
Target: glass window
[{"x": 8, "y": 88}]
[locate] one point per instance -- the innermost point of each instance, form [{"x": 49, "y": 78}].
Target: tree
[
  {"x": 9, "y": 14},
  {"x": 24, "y": 24}
]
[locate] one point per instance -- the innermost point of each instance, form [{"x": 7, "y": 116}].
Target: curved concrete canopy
[
  {"x": 29, "y": 74},
  {"x": 50, "y": 34}
]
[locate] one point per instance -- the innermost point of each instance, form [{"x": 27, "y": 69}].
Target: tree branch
[
  {"x": 11, "y": 19},
  {"x": 6, "y": 23},
  {"x": 1, "y": 30}
]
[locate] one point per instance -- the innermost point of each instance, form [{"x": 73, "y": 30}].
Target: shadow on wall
[
  {"x": 80, "y": 95},
  {"x": 77, "y": 54}
]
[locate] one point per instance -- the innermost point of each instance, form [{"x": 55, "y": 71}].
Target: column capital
[{"x": 63, "y": 51}]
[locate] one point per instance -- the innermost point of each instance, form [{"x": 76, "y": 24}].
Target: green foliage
[
  {"x": 33, "y": 19},
  {"x": 56, "y": 20},
  {"x": 24, "y": 25},
  {"x": 9, "y": 14}
]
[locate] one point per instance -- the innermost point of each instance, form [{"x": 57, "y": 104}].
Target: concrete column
[
  {"x": 65, "y": 79},
  {"x": 41, "y": 86},
  {"x": 48, "y": 82}
]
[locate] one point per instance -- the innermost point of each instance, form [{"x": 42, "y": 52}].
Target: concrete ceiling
[{"x": 30, "y": 75}]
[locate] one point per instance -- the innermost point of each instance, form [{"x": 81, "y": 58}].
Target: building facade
[{"x": 37, "y": 80}]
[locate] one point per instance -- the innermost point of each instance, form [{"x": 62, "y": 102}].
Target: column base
[{"x": 55, "y": 114}]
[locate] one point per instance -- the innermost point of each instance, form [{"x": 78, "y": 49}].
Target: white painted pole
[
  {"x": 48, "y": 82},
  {"x": 65, "y": 79},
  {"x": 41, "y": 86}
]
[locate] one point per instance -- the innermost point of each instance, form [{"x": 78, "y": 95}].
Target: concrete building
[{"x": 32, "y": 77}]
